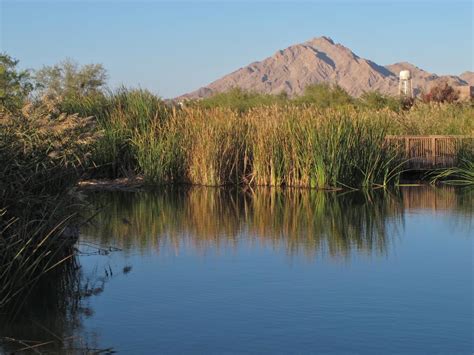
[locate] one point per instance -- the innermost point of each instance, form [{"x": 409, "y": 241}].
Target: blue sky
[{"x": 175, "y": 47}]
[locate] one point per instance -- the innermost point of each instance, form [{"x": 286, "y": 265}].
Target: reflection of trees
[
  {"x": 50, "y": 318},
  {"x": 298, "y": 220}
]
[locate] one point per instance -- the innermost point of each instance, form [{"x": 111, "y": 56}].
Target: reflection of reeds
[
  {"x": 55, "y": 303},
  {"x": 298, "y": 220}
]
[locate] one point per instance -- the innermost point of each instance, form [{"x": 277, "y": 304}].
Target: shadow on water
[{"x": 301, "y": 222}]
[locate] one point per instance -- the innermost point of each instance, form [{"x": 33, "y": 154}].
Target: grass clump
[
  {"x": 160, "y": 151},
  {"x": 323, "y": 149},
  {"x": 40, "y": 161},
  {"x": 463, "y": 173},
  {"x": 217, "y": 151},
  {"x": 324, "y": 96},
  {"x": 272, "y": 146},
  {"x": 241, "y": 100},
  {"x": 120, "y": 116}
]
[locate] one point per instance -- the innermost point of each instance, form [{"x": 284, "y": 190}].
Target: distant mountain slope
[
  {"x": 468, "y": 77},
  {"x": 423, "y": 80},
  {"x": 319, "y": 60}
]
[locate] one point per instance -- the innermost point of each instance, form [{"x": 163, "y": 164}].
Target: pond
[{"x": 205, "y": 270}]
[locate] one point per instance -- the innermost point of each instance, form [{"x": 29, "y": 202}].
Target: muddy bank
[{"x": 135, "y": 183}]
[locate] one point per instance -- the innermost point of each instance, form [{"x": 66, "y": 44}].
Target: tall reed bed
[
  {"x": 271, "y": 146},
  {"x": 463, "y": 173},
  {"x": 276, "y": 143},
  {"x": 433, "y": 118},
  {"x": 119, "y": 115},
  {"x": 320, "y": 148},
  {"x": 40, "y": 160}
]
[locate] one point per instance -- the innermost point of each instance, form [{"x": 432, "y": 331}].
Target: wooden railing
[{"x": 429, "y": 152}]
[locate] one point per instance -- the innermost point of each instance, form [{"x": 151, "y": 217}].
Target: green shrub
[
  {"x": 241, "y": 100},
  {"x": 40, "y": 161},
  {"x": 15, "y": 85},
  {"x": 376, "y": 101},
  {"x": 324, "y": 96}
]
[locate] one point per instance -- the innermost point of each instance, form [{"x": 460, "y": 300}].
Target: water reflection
[
  {"x": 297, "y": 220},
  {"x": 300, "y": 222},
  {"x": 49, "y": 317}
]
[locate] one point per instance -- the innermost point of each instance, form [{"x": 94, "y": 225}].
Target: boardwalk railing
[{"x": 428, "y": 152}]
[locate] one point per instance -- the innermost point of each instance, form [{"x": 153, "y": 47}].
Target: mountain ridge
[{"x": 321, "y": 60}]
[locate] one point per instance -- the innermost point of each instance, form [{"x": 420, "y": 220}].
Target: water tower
[{"x": 405, "y": 87}]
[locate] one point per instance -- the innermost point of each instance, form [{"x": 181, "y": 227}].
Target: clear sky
[{"x": 174, "y": 47}]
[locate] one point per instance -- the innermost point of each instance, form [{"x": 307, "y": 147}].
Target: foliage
[
  {"x": 272, "y": 146},
  {"x": 322, "y": 139},
  {"x": 15, "y": 85},
  {"x": 160, "y": 152},
  {"x": 463, "y": 173},
  {"x": 240, "y": 100},
  {"x": 377, "y": 101},
  {"x": 69, "y": 79},
  {"x": 127, "y": 113},
  {"x": 428, "y": 118},
  {"x": 324, "y": 96},
  {"x": 442, "y": 92},
  {"x": 40, "y": 161}
]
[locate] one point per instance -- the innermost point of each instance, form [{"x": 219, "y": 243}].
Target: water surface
[{"x": 270, "y": 271}]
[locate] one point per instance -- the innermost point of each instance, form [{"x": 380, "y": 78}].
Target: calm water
[{"x": 266, "y": 271}]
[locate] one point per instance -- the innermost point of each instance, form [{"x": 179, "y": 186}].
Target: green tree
[
  {"x": 324, "y": 95},
  {"x": 68, "y": 79},
  {"x": 377, "y": 101},
  {"x": 443, "y": 92},
  {"x": 15, "y": 85},
  {"x": 242, "y": 100}
]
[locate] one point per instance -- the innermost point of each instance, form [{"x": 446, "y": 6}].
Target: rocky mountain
[
  {"x": 422, "y": 80},
  {"x": 468, "y": 77},
  {"x": 321, "y": 60}
]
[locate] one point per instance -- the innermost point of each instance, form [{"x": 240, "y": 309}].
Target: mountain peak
[
  {"x": 468, "y": 77},
  {"x": 320, "y": 40},
  {"x": 318, "y": 60}
]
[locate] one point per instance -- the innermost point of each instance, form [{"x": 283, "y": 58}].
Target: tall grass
[
  {"x": 119, "y": 115},
  {"x": 434, "y": 118},
  {"x": 463, "y": 173},
  {"x": 273, "y": 146},
  {"x": 160, "y": 151},
  {"x": 40, "y": 159},
  {"x": 321, "y": 148},
  {"x": 217, "y": 151},
  {"x": 239, "y": 100},
  {"x": 323, "y": 139}
]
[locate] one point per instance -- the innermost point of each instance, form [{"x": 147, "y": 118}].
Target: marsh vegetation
[{"x": 60, "y": 125}]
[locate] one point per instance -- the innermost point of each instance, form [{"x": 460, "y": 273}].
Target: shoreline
[{"x": 137, "y": 183}]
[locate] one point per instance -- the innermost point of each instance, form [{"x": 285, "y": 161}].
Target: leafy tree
[
  {"x": 15, "y": 85},
  {"x": 324, "y": 95},
  {"x": 377, "y": 101},
  {"x": 242, "y": 100},
  {"x": 68, "y": 79},
  {"x": 442, "y": 92}
]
